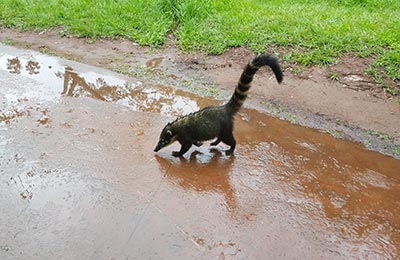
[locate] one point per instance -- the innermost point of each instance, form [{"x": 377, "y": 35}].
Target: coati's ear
[{"x": 169, "y": 133}]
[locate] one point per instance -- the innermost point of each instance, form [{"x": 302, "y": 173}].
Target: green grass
[
  {"x": 390, "y": 60},
  {"x": 140, "y": 20},
  {"x": 310, "y": 31},
  {"x": 8, "y": 41}
]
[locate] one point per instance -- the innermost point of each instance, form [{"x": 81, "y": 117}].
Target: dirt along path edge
[{"x": 352, "y": 107}]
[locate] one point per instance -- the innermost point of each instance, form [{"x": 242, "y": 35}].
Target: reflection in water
[
  {"x": 202, "y": 173},
  {"x": 137, "y": 96},
  {"x": 357, "y": 191},
  {"x": 14, "y": 65},
  {"x": 32, "y": 67},
  {"x": 72, "y": 80}
]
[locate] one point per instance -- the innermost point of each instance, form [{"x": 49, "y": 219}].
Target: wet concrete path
[{"x": 79, "y": 178}]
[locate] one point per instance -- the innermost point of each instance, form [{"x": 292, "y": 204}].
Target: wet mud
[{"x": 79, "y": 178}]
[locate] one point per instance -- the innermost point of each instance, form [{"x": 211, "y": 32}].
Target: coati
[{"x": 215, "y": 121}]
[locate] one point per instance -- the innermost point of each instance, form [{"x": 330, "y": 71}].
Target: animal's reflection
[{"x": 209, "y": 172}]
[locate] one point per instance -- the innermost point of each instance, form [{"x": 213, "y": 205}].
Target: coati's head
[{"x": 167, "y": 137}]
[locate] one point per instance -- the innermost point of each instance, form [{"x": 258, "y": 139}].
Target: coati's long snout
[
  {"x": 215, "y": 121},
  {"x": 166, "y": 138}
]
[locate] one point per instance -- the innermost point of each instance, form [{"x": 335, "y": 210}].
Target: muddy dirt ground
[
  {"x": 351, "y": 108},
  {"x": 79, "y": 178}
]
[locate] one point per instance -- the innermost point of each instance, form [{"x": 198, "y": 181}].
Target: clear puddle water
[{"x": 77, "y": 159}]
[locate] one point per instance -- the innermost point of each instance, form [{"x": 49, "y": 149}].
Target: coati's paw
[
  {"x": 176, "y": 154},
  {"x": 228, "y": 152},
  {"x": 198, "y": 143}
]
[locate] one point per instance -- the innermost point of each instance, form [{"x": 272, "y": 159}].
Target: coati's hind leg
[
  {"x": 216, "y": 142},
  {"x": 184, "y": 148},
  {"x": 229, "y": 140}
]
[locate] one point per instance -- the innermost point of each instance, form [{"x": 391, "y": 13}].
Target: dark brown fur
[{"x": 215, "y": 121}]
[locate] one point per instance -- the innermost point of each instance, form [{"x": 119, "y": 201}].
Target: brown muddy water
[{"x": 79, "y": 179}]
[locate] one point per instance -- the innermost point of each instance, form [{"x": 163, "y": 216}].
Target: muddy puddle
[{"x": 79, "y": 178}]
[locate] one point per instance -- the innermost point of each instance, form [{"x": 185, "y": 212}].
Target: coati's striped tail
[{"x": 240, "y": 94}]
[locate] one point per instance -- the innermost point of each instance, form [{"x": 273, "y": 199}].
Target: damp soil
[{"x": 352, "y": 107}]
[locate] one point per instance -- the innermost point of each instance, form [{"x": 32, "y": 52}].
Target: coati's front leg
[
  {"x": 184, "y": 148},
  {"x": 197, "y": 143}
]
